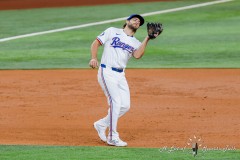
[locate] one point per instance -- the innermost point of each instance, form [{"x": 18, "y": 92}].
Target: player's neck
[{"x": 128, "y": 31}]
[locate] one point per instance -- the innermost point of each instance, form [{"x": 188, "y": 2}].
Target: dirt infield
[{"x": 169, "y": 106}]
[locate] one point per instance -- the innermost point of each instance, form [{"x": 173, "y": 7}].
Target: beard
[{"x": 133, "y": 28}]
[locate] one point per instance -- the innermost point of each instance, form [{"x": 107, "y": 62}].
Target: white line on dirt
[{"x": 114, "y": 20}]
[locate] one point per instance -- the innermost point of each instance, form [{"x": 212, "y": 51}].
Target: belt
[{"x": 120, "y": 70}]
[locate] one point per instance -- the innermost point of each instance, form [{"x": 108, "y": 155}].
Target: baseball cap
[{"x": 138, "y": 16}]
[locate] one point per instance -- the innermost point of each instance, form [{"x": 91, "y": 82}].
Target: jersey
[{"x": 118, "y": 47}]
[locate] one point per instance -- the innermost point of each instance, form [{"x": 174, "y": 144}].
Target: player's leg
[
  {"x": 125, "y": 102},
  {"x": 125, "y": 96},
  {"x": 109, "y": 85},
  {"x": 105, "y": 122},
  {"x": 102, "y": 124}
]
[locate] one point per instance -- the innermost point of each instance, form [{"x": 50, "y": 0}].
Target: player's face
[{"x": 134, "y": 23}]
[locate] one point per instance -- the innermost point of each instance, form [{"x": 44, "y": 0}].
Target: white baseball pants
[{"x": 115, "y": 88}]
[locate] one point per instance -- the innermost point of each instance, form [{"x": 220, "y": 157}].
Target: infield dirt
[{"x": 169, "y": 106}]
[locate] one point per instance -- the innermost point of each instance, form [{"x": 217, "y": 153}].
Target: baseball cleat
[
  {"x": 101, "y": 131},
  {"x": 116, "y": 142}
]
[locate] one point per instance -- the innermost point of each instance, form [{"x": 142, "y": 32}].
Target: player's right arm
[
  {"x": 100, "y": 40},
  {"x": 94, "y": 50}
]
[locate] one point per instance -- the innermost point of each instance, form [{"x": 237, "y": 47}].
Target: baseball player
[{"x": 119, "y": 46}]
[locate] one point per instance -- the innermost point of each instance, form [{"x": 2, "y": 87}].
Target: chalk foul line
[{"x": 114, "y": 20}]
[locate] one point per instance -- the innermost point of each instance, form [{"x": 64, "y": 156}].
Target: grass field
[
  {"x": 206, "y": 37},
  {"x": 109, "y": 153}
]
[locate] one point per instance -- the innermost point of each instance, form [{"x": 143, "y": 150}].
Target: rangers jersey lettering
[
  {"x": 118, "y": 47},
  {"x": 118, "y": 44}
]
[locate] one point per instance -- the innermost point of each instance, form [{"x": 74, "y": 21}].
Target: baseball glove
[{"x": 154, "y": 29}]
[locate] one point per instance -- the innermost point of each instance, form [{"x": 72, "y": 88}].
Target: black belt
[{"x": 120, "y": 70}]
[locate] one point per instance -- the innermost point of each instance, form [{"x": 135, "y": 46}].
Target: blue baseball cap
[{"x": 138, "y": 16}]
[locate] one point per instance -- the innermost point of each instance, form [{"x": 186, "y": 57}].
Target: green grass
[
  {"x": 15, "y": 22},
  {"x": 108, "y": 153},
  {"x": 206, "y": 37}
]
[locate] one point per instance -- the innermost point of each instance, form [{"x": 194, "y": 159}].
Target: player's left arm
[
  {"x": 154, "y": 30},
  {"x": 140, "y": 51}
]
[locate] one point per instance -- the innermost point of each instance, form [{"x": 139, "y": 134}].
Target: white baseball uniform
[{"x": 118, "y": 49}]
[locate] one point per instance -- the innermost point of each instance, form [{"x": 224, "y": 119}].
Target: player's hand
[
  {"x": 93, "y": 63},
  {"x": 154, "y": 30}
]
